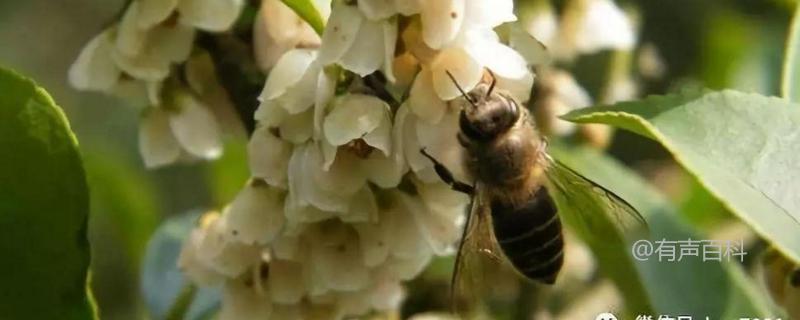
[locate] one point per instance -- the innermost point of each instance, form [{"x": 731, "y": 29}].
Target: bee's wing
[
  {"x": 478, "y": 254},
  {"x": 589, "y": 201}
]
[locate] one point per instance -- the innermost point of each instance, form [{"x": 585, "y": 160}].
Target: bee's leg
[{"x": 447, "y": 176}]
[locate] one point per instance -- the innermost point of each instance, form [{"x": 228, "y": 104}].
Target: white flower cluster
[
  {"x": 342, "y": 207},
  {"x": 585, "y": 27},
  {"x": 135, "y": 58}
]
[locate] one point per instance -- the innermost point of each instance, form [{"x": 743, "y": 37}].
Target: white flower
[
  {"x": 443, "y": 21},
  {"x": 227, "y": 257},
  {"x": 286, "y": 282},
  {"x": 357, "y": 43},
  {"x": 242, "y": 301},
  {"x": 256, "y": 215},
  {"x": 564, "y": 95},
  {"x": 362, "y": 124},
  {"x": 201, "y": 77},
  {"x": 269, "y": 156},
  {"x": 208, "y": 15},
  {"x": 147, "y": 54},
  {"x": 278, "y": 29},
  {"x": 336, "y": 258},
  {"x": 190, "y": 263},
  {"x": 592, "y": 25},
  {"x": 542, "y": 23},
  {"x": 207, "y": 256},
  {"x": 185, "y": 125},
  {"x": 438, "y": 139},
  {"x": 95, "y": 69},
  {"x": 473, "y": 51},
  {"x": 292, "y": 83}
]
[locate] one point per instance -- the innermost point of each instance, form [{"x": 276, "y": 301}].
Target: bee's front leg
[{"x": 447, "y": 176}]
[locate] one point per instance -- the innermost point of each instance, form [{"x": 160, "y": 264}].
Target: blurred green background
[{"x": 713, "y": 43}]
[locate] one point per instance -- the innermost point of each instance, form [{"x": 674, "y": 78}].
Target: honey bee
[{"x": 512, "y": 214}]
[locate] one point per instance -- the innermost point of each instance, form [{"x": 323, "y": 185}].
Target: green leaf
[
  {"x": 164, "y": 287},
  {"x": 719, "y": 290},
  {"x": 790, "y": 81},
  {"x": 308, "y": 12},
  {"x": 123, "y": 198},
  {"x": 741, "y": 147},
  {"x": 44, "y": 207}
]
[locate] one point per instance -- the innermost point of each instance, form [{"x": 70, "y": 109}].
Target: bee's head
[{"x": 486, "y": 113}]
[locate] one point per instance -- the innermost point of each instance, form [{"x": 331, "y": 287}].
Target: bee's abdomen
[{"x": 530, "y": 236}]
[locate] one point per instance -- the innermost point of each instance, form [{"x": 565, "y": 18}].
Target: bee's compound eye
[
  {"x": 513, "y": 108},
  {"x": 468, "y": 128}
]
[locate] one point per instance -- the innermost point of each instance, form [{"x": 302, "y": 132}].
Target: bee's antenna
[
  {"x": 494, "y": 82},
  {"x": 464, "y": 94}
]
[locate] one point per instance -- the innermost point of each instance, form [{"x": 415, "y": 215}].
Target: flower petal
[
  {"x": 228, "y": 258},
  {"x": 439, "y": 229},
  {"x": 377, "y": 9},
  {"x": 464, "y": 68},
  {"x": 487, "y": 50},
  {"x": 326, "y": 91},
  {"x": 130, "y": 38},
  {"x": 352, "y": 117},
  {"x": 381, "y": 136},
  {"x": 409, "y": 268},
  {"x": 210, "y": 15},
  {"x": 407, "y": 240},
  {"x": 153, "y": 12},
  {"x": 363, "y": 207},
  {"x": 270, "y": 114},
  {"x": 423, "y": 100},
  {"x": 520, "y": 89},
  {"x": 142, "y": 67},
  {"x": 173, "y": 43},
  {"x": 269, "y": 157},
  {"x": 344, "y": 177},
  {"x": 408, "y": 7},
  {"x": 302, "y": 187},
  {"x": 440, "y": 140},
  {"x": 195, "y": 127},
  {"x": 286, "y": 282},
  {"x": 240, "y": 301},
  {"x": 340, "y": 33},
  {"x": 297, "y": 128},
  {"x": 190, "y": 264},
  {"x": 157, "y": 145},
  {"x": 95, "y": 69},
  {"x": 336, "y": 257},
  {"x": 384, "y": 171},
  {"x": 255, "y": 216},
  {"x": 604, "y": 26},
  {"x": 302, "y": 95},
  {"x": 288, "y": 71},
  {"x": 389, "y": 47},
  {"x": 361, "y": 57},
  {"x": 534, "y": 52},
  {"x": 374, "y": 239},
  {"x": 441, "y": 21},
  {"x": 488, "y": 13},
  {"x": 386, "y": 295}
]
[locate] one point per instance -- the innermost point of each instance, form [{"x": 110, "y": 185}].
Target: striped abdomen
[{"x": 530, "y": 236}]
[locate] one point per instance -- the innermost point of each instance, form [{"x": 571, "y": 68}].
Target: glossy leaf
[
  {"x": 164, "y": 285},
  {"x": 741, "y": 147},
  {"x": 719, "y": 290},
  {"x": 44, "y": 207}
]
